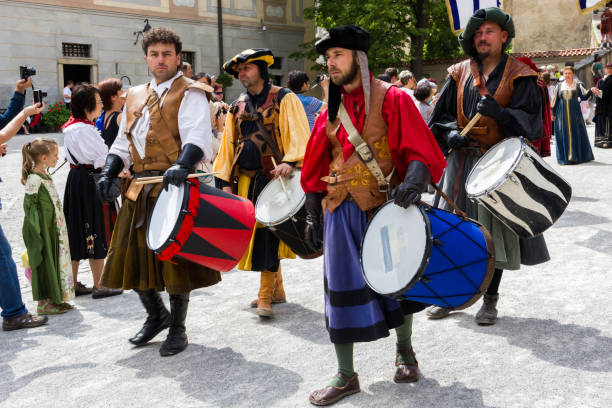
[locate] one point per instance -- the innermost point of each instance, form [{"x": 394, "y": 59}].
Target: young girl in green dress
[{"x": 44, "y": 230}]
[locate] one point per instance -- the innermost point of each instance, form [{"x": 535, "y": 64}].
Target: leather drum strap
[{"x": 361, "y": 147}]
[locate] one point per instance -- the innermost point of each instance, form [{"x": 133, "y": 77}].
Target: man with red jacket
[{"x": 339, "y": 183}]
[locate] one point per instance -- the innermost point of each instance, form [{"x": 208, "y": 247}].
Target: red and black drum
[{"x": 201, "y": 224}]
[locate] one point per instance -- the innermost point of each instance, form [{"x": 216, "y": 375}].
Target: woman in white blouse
[{"x": 87, "y": 218}]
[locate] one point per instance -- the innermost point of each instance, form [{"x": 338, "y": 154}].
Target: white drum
[
  {"x": 427, "y": 255},
  {"x": 515, "y": 184},
  {"x": 284, "y": 213}
]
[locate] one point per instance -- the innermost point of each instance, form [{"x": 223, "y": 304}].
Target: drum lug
[
  {"x": 438, "y": 242},
  {"x": 186, "y": 211},
  {"x": 514, "y": 179},
  {"x": 490, "y": 197},
  {"x": 272, "y": 228}
]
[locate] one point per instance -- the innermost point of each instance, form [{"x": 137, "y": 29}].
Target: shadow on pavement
[
  {"x": 10, "y": 384},
  {"x": 600, "y": 242},
  {"x": 584, "y": 199},
  {"x": 565, "y": 345},
  {"x": 219, "y": 377},
  {"x": 576, "y": 218},
  {"x": 426, "y": 393},
  {"x": 299, "y": 321}
]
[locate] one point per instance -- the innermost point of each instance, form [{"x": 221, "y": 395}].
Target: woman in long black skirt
[{"x": 84, "y": 211}]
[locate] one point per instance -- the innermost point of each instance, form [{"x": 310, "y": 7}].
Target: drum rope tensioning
[{"x": 427, "y": 255}]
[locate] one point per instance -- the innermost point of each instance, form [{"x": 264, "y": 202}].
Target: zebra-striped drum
[{"x": 518, "y": 187}]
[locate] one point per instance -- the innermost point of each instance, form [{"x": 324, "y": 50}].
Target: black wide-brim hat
[
  {"x": 494, "y": 14},
  {"x": 351, "y": 37},
  {"x": 259, "y": 56}
]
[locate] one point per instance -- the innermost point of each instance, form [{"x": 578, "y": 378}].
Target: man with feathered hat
[
  {"x": 347, "y": 188},
  {"x": 265, "y": 123},
  {"x": 504, "y": 91}
]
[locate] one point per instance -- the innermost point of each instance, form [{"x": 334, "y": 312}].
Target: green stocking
[
  {"x": 344, "y": 354},
  {"x": 404, "y": 341}
]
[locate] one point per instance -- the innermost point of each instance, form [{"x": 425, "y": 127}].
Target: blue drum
[{"x": 427, "y": 255}]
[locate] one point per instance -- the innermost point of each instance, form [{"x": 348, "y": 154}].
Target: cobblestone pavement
[{"x": 552, "y": 346}]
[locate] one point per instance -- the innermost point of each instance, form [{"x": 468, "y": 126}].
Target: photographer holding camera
[{"x": 16, "y": 103}]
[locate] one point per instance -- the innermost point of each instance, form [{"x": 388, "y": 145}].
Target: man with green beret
[
  {"x": 505, "y": 92},
  {"x": 265, "y": 125}
]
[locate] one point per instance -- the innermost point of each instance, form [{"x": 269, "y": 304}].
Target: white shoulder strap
[{"x": 361, "y": 147}]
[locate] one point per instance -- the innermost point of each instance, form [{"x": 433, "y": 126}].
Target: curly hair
[
  {"x": 161, "y": 35},
  {"x": 296, "y": 80}
]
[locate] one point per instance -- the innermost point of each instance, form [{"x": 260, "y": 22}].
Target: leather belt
[{"x": 334, "y": 178}]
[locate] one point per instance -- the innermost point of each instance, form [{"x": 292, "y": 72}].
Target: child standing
[{"x": 44, "y": 230}]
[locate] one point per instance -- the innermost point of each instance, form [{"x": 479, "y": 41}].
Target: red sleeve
[
  {"x": 317, "y": 157},
  {"x": 409, "y": 137}
]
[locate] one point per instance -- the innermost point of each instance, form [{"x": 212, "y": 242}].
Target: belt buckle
[
  {"x": 365, "y": 152},
  {"x": 335, "y": 178}
]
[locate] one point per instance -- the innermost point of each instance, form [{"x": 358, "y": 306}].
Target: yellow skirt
[{"x": 245, "y": 263}]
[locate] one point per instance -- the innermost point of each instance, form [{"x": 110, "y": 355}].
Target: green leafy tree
[{"x": 403, "y": 32}]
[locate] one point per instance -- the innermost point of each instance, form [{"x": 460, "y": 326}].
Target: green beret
[
  {"x": 494, "y": 14},
  {"x": 261, "y": 56}
]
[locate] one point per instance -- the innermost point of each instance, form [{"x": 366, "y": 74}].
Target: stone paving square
[{"x": 552, "y": 345}]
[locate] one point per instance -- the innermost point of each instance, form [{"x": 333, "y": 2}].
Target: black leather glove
[
  {"x": 415, "y": 182},
  {"x": 313, "y": 234},
  {"x": 454, "y": 140},
  {"x": 488, "y": 106},
  {"x": 178, "y": 172},
  {"x": 107, "y": 188}
]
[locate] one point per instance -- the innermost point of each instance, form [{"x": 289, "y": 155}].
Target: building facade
[{"x": 91, "y": 40}]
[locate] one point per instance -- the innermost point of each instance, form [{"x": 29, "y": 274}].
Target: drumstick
[
  {"x": 159, "y": 179},
  {"x": 280, "y": 178},
  {"x": 471, "y": 124}
]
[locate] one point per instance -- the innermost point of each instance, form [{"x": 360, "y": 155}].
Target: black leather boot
[
  {"x": 487, "y": 315},
  {"x": 158, "y": 317},
  {"x": 177, "y": 338}
]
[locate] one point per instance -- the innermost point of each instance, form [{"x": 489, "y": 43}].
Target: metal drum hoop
[
  {"x": 506, "y": 175},
  {"x": 424, "y": 262},
  {"x": 289, "y": 216},
  {"x": 179, "y": 220}
]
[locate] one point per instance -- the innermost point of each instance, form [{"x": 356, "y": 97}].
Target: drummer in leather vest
[
  {"x": 165, "y": 131},
  {"x": 265, "y": 126},
  {"x": 504, "y": 93},
  {"x": 370, "y": 142}
]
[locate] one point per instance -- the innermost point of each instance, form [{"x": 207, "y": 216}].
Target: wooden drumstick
[
  {"x": 280, "y": 178},
  {"x": 159, "y": 179},
  {"x": 471, "y": 124}
]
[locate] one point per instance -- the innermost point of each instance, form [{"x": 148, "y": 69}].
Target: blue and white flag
[
  {"x": 586, "y": 6},
  {"x": 460, "y": 11}
]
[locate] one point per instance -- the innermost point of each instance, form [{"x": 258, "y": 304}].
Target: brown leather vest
[
  {"x": 487, "y": 131},
  {"x": 163, "y": 142},
  {"x": 269, "y": 112},
  {"x": 352, "y": 176}
]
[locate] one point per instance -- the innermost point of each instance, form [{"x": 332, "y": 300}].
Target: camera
[
  {"x": 26, "y": 72},
  {"x": 319, "y": 78},
  {"x": 38, "y": 95}
]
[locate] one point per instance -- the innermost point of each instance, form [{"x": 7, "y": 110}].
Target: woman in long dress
[{"x": 571, "y": 137}]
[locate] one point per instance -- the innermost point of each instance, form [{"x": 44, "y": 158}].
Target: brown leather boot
[
  {"x": 278, "y": 294},
  {"x": 487, "y": 315},
  {"x": 406, "y": 373},
  {"x": 264, "y": 298}
]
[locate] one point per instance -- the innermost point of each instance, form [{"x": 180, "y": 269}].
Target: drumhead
[
  {"x": 273, "y": 206},
  {"x": 493, "y": 168},
  {"x": 165, "y": 215},
  {"x": 395, "y": 248}
]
